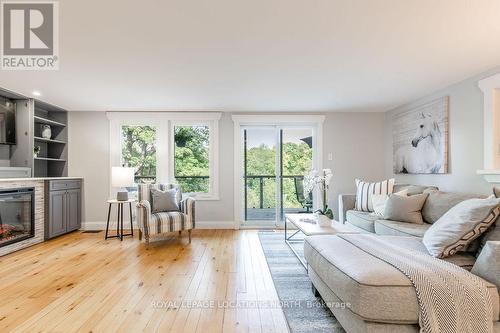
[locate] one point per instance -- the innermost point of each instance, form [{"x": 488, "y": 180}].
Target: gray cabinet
[
  {"x": 73, "y": 204},
  {"x": 62, "y": 207},
  {"x": 57, "y": 213}
]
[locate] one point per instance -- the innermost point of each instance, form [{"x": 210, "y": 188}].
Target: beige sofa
[{"x": 365, "y": 293}]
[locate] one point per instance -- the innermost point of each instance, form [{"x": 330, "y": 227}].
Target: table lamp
[{"x": 121, "y": 178}]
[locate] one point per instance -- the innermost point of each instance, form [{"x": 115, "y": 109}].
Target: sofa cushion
[
  {"x": 405, "y": 209},
  {"x": 487, "y": 265},
  {"x": 380, "y": 200},
  {"x": 397, "y": 228},
  {"x": 365, "y": 190},
  {"x": 362, "y": 220},
  {"x": 492, "y": 234},
  {"x": 461, "y": 225},
  {"x": 438, "y": 203},
  {"x": 376, "y": 290}
]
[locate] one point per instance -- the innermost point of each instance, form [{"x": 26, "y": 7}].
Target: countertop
[{"x": 37, "y": 178}]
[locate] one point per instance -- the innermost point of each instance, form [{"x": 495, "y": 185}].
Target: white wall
[
  {"x": 88, "y": 157},
  {"x": 465, "y": 140},
  {"x": 356, "y": 141}
]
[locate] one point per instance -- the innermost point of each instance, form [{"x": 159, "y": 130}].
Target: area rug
[{"x": 304, "y": 312}]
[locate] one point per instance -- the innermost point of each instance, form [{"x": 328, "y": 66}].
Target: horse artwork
[{"x": 420, "y": 138}]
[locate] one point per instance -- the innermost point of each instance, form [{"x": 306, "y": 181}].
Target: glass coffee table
[{"x": 307, "y": 225}]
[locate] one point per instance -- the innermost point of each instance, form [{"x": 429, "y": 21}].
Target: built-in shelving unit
[
  {"x": 46, "y": 121},
  {"x": 49, "y": 140},
  {"x": 31, "y": 116},
  {"x": 51, "y": 161}
]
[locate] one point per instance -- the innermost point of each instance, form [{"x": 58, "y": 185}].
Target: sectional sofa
[{"x": 367, "y": 294}]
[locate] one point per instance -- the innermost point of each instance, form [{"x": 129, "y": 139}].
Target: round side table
[{"x": 119, "y": 224}]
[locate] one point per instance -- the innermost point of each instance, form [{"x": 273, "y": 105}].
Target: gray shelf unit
[
  {"x": 31, "y": 114},
  {"x": 53, "y": 156}
]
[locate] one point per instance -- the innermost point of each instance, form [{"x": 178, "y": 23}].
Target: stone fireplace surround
[{"x": 38, "y": 184}]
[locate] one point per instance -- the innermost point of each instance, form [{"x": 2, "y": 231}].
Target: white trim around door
[{"x": 313, "y": 121}]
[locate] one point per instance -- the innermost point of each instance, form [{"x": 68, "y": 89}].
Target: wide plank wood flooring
[{"x": 81, "y": 283}]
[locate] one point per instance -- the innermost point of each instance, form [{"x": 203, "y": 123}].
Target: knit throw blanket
[{"x": 450, "y": 298}]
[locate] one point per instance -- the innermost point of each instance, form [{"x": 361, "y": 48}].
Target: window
[
  {"x": 138, "y": 150},
  {"x": 168, "y": 147},
  {"x": 192, "y": 158}
]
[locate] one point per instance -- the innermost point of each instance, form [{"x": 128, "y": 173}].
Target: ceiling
[{"x": 262, "y": 55}]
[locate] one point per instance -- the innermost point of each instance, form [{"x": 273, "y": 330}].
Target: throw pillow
[
  {"x": 164, "y": 201},
  {"x": 405, "y": 209},
  {"x": 379, "y": 201},
  {"x": 365, "y": 191},
  {"x": 496, "y": 191},
  {"x": 487, "y": 264},
  {"x": 462, "y": 224}
]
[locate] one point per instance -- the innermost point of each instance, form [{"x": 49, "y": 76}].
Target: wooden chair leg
[
  {"x": 180, "y": 232},
  {"x": 140, "y": 234},
  {"x": 189, "y": 233}
]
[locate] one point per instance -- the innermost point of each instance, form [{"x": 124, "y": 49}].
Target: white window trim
[
  {"x": 164, "y": 122},
  {"x": 213, "y": 127},
  {"x": 314, "y": 121}
]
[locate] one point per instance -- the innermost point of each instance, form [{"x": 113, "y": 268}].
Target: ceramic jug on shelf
[{"x": 46, "y": 132}]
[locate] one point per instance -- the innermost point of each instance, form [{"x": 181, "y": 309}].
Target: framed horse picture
[{"x": 420, "y": 138}]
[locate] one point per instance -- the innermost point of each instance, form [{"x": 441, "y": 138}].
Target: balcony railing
[
  {"x": 254, "y": 184},
  {"x": 261, "y": 181},
  {"x": 188, "y": 183}
]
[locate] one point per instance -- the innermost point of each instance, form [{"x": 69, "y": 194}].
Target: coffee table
[{"x": 307, "y": 224}]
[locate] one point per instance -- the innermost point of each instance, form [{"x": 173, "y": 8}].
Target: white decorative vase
[
  {"x": 46, "y": 132},
  {"x": 324, "y": 221}
]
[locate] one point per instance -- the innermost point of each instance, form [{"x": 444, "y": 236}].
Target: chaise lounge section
[{"x": 367, "y": 294}]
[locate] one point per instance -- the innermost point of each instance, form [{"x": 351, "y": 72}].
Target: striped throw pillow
[{"x": 365, "y": 191}]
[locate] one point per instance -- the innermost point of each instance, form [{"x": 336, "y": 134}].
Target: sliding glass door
[{"x": 276, "y": 159}]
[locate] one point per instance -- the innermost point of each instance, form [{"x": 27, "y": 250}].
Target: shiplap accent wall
[{"x": 39, "y": 214}]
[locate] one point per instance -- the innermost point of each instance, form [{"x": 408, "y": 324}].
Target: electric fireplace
[{"x": 17, "y": 215}]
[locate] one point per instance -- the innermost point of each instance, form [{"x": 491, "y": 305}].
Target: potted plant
[
  {"x": 36, "y": 151},
  {"x": 321, "y": 181},
  {"x": 182, "y": 136}
]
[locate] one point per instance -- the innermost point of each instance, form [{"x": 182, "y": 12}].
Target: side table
[{"x": 119, "y": 224}]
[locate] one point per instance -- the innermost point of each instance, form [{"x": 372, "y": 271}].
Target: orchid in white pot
[{"x": 322, "y": 182}]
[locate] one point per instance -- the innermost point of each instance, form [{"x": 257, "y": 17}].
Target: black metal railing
[
  {"x": 261, "y": 182},
  {"x": 200, "y": 184},
  {"x": 153, "y": 178},
  {"x": 187, "y": 183}
]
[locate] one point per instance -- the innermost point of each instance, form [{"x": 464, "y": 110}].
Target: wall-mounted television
[{"x": 7, "y": 121}]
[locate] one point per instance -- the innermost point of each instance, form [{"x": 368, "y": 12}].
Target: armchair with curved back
[{"x": 151, "y": 224}]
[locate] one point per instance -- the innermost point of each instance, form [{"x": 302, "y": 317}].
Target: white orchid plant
[{"x": 320, "y": 181}]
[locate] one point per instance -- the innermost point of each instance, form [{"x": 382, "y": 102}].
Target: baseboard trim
[{"x": 101, "y": 225}]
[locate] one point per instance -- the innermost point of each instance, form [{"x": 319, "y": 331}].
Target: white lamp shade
[{"x": 122, "y": 177}]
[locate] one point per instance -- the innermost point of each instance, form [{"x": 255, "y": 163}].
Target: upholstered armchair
[{"x": 151, "y": 224}]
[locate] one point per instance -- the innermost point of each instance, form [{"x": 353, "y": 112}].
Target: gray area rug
[{"x": 304, "y": 312}]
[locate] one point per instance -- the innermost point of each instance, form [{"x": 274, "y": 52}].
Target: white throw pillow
[
  {"x": 380, "y": 200},
  {"x": 365, "y": 192},
  {"x": 462, "y": 224}
]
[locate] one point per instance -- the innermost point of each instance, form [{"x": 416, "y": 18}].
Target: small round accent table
[{"x": 119, "y": 224}]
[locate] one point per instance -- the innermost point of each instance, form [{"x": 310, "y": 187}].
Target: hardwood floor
[{"x": 82, "y": 283}]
